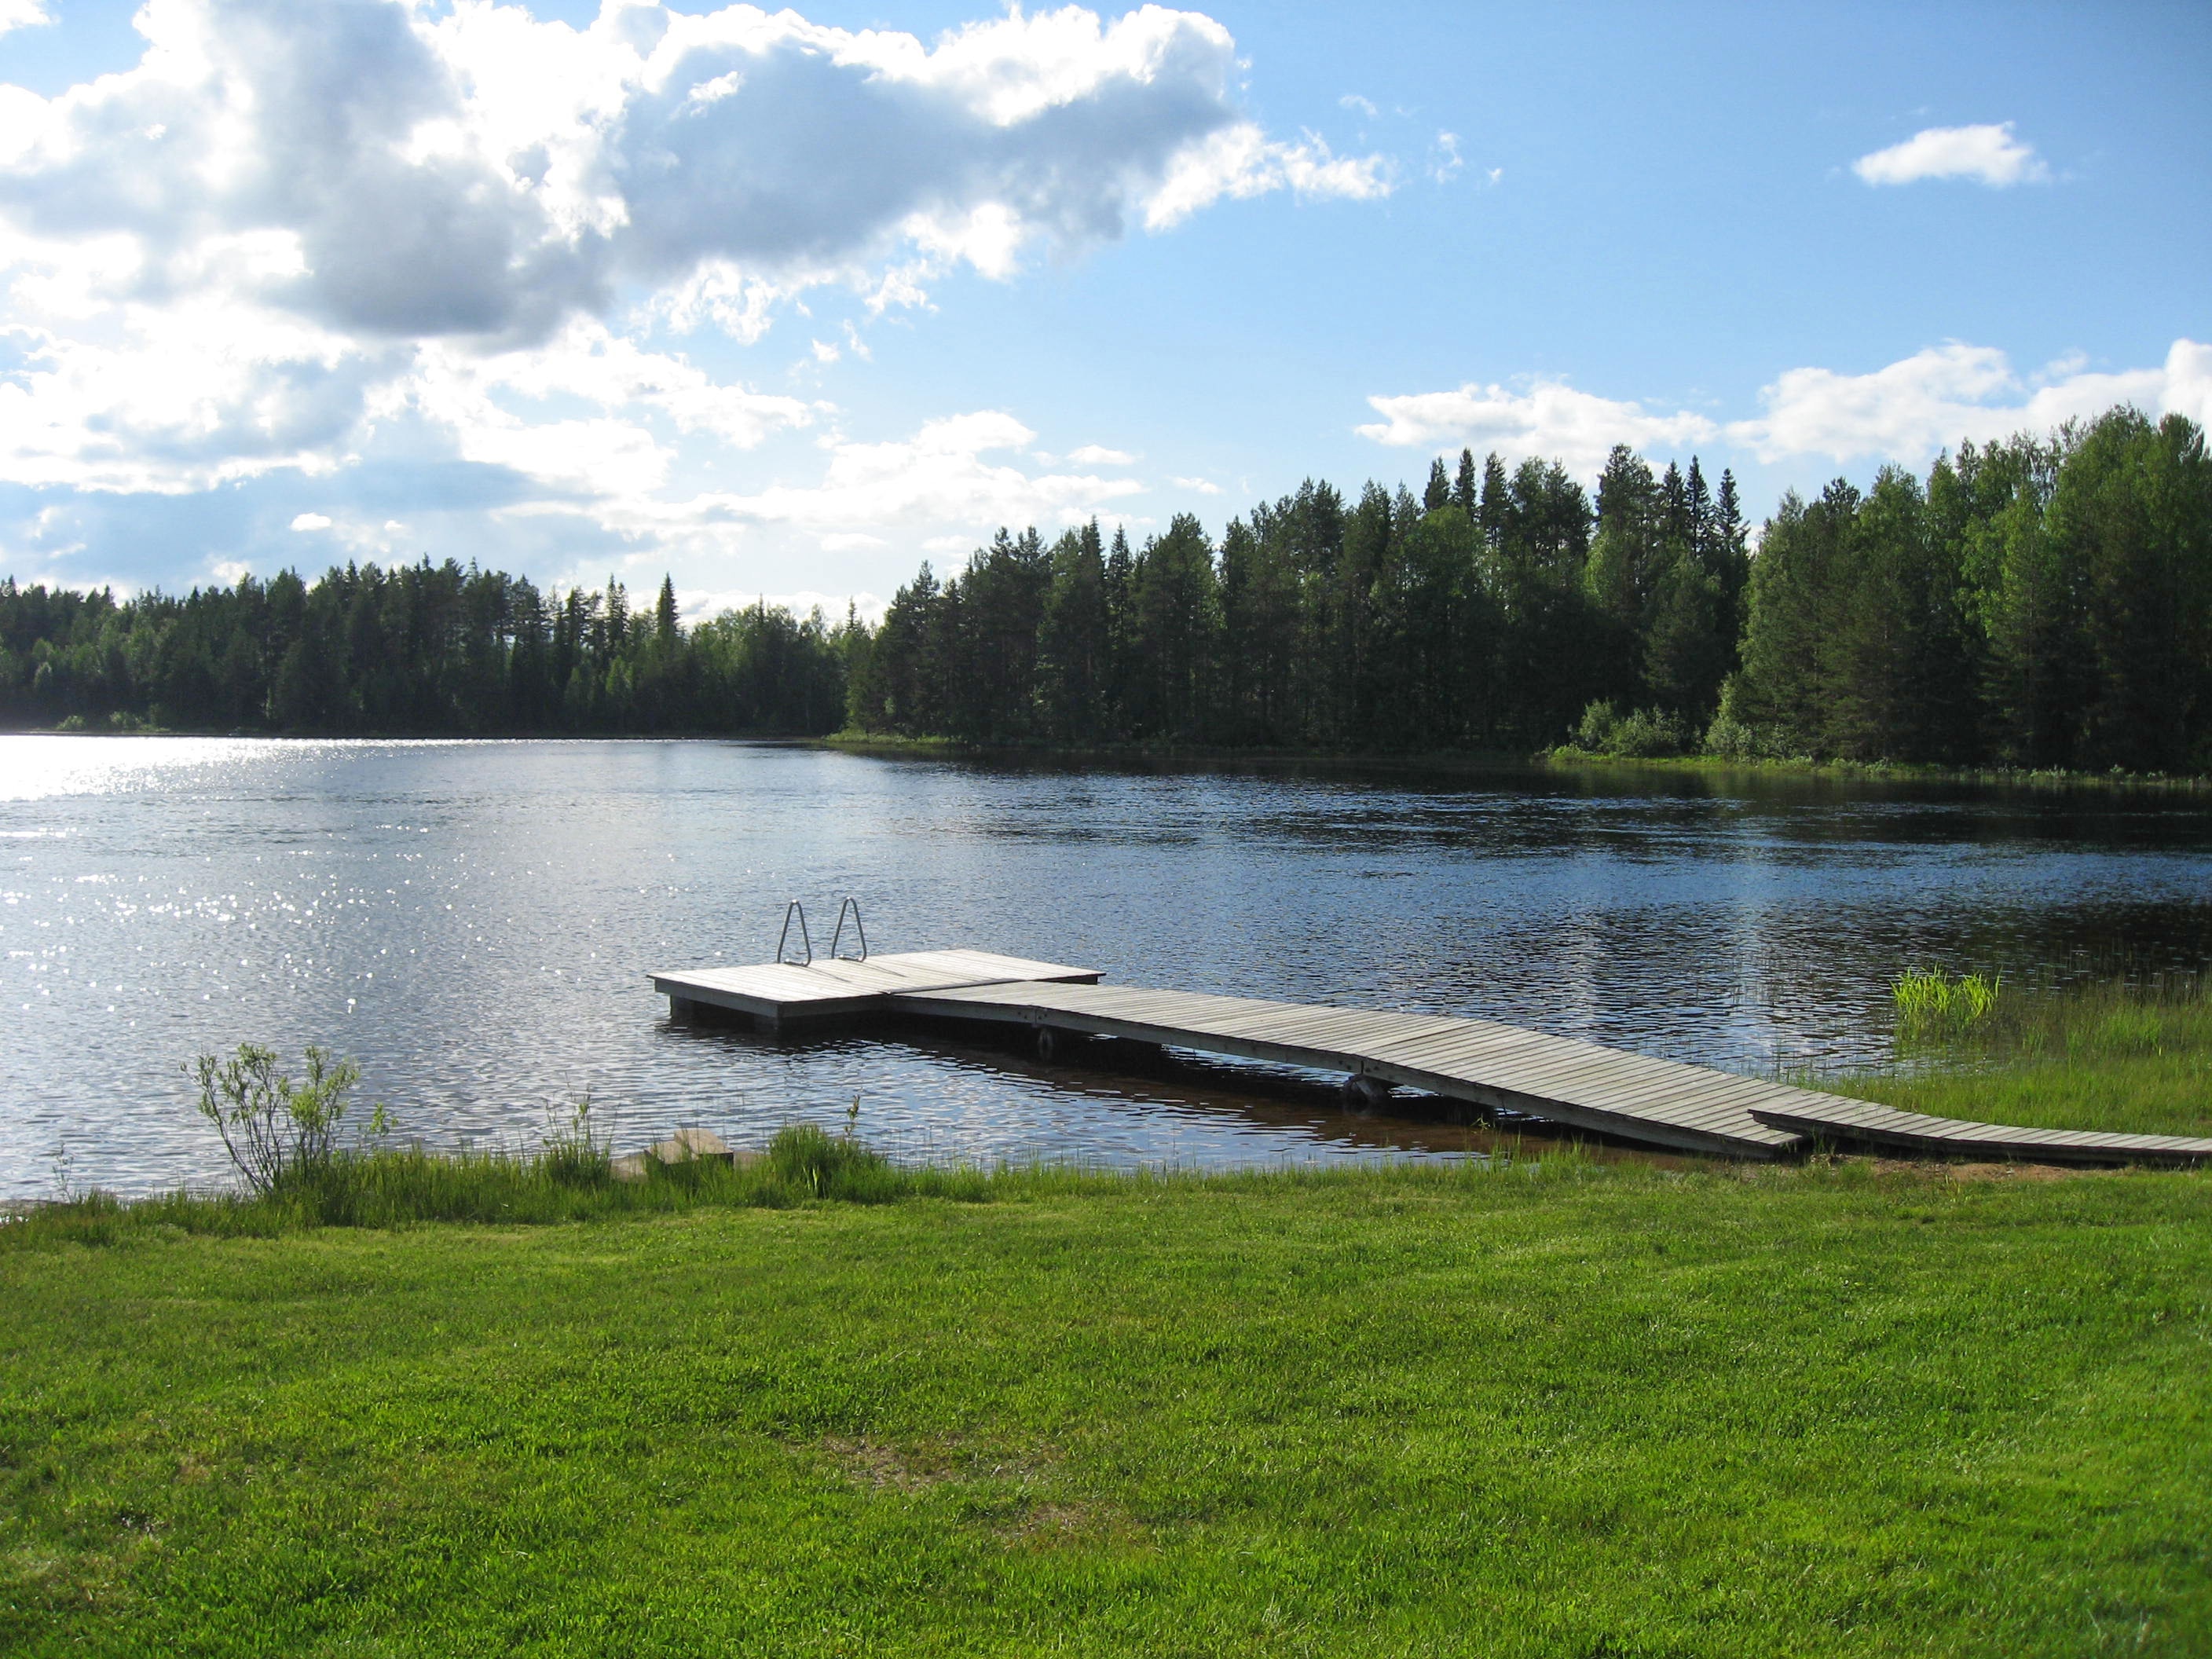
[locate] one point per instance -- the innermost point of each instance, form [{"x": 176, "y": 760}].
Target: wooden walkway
[
  {"x": 1632, "y": 1097},
  {"x": 1860, "y": 1122},
  {"x": 1656, "y": 1102}
]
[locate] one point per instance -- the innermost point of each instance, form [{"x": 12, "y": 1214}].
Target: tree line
[
  {"x": 1485, "y": 614},
  {"x": 420, "y": 649},
  {"x": 2037, "y": 602}
]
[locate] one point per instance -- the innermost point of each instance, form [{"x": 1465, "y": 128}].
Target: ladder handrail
[
  {"x": 854, "y": 905},
  {"x": 794, "y": 909}
]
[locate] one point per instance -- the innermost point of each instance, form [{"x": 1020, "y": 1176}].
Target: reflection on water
[{"x": 472, "y": 921}]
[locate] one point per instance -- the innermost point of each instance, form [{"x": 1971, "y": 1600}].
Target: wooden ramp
[
  {"x": 1827, "y": 1117},
  {"x": 1657, "y": 1102}
]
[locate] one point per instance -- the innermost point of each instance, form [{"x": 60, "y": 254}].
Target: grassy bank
[
  {"x": 1548, "y": 1409},
  {"x": 2130, "y": 1058},
  {"x": 1567, "y": 758}
]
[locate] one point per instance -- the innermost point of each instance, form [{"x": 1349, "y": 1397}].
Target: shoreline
[{"x": 1563, "y": 761}]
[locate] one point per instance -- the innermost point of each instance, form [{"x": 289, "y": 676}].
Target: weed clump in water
[{"x": 1933, "y": 1005}]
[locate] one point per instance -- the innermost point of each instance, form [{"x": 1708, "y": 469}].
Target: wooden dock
[{"x": 1633, "y": 1097}]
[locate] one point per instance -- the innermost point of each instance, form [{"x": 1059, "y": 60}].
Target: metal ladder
[{"x": 796, "y": 911}]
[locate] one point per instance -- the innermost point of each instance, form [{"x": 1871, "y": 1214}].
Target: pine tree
[
  {"x": 1073, "y": 639},
  {"x": 1439, "y": 488},
  {"x": 1177, "y": 620}
]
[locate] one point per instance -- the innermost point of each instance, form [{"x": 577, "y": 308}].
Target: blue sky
[{"x": 787, "y": 304}]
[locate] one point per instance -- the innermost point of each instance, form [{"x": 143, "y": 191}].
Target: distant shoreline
[{"x": 1563, "y": 760}]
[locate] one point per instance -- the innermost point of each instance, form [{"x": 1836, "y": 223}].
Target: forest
[
  {"x": 419, "y": 650},
  {"x": 2040, "y": 602}
]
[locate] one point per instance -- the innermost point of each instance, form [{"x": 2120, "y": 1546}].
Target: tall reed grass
[
  {"x": 569, "y": 1179},
  {"x": 1933, "y": 1005},
  {"x": 1983, "y": 1016}
]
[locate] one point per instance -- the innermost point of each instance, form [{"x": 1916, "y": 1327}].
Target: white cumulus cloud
[
  {"x": 1911, "y": 409},
  {"x": 1547, "y": 419},
  {"x": 22, "y": 14},
  {"x": 311, "y": 521},
  {"x": 482, "y": 172},
  {"x": 940, "y": 475},
  {"x": 310, "y": 238},
  {"x": 1988, "y": 155},
  {"x": 944, "y": 486},
  {"x": 1907, "y": 410}
]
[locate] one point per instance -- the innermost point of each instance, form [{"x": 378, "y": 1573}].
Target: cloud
[
  {"x": 22, "y": 14},
  {"x": 1242, "y": 162},
  {"x": 1548, "y": 419},
  {"x": 316, "y": 240},
  {"x": 942, "y": 487},
  {"x": 1933, "y": 399},
  {"x": 1444, "y": 159},
  {"x": 1197, "y": 486},
  {"x": 1906, "y": 411},
  {"x": 1357, "y": 104},
  {"x": 1099, "y": 455},
  {"x": 311, "y": 521},
  {"x": 483, "y": 173},
  {"x": 939, "y": 476},
  {"x": 697, "y": 604},
  {"x": 1987, "y": 154}
]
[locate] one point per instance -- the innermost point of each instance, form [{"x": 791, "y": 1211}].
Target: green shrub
[
  {"x": 1648, "y": 733},
  {"x": 1731, "y": 739},
  {"x": 278, "y": 1132},
  {"x": 1642, "y": 734},
  {"x": 1594, "y": 733}
]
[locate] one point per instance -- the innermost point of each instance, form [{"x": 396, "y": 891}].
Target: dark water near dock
[{"x": 472, "y": 922}]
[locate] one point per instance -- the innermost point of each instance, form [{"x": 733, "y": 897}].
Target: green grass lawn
[{"x": 1559, "y": 1410}]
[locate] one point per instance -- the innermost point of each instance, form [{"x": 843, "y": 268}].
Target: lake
[{"x": 472, "y": 922}]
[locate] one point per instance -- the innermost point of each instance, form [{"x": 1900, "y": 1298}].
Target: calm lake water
[{"x": 472, "y": 922}]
